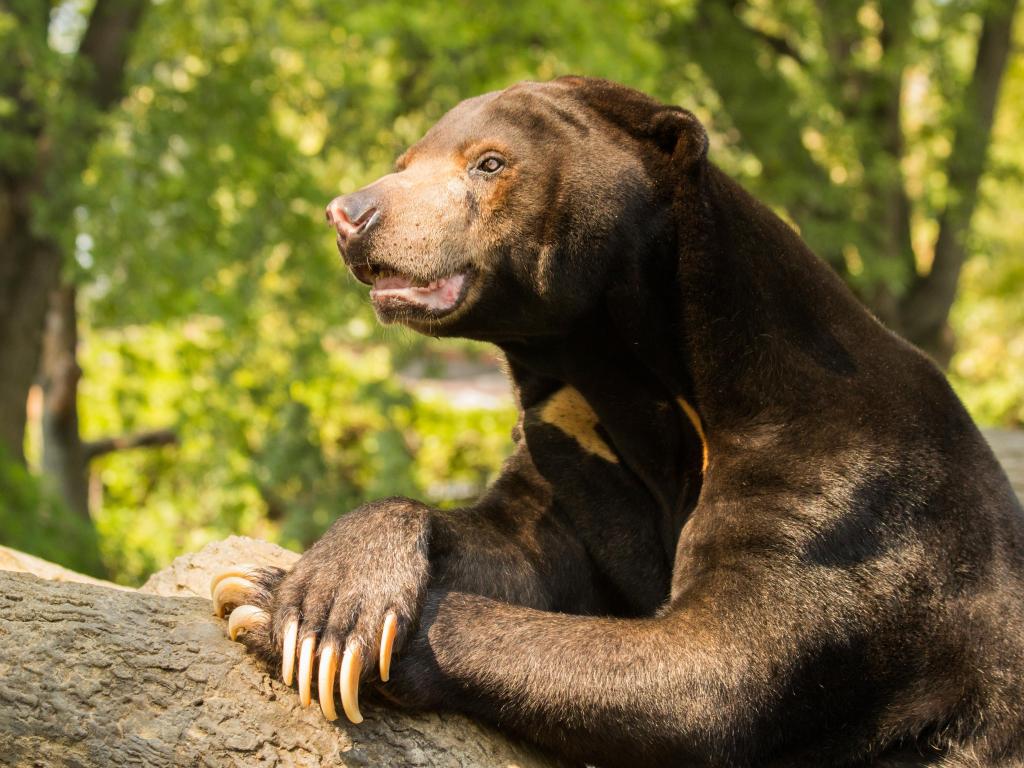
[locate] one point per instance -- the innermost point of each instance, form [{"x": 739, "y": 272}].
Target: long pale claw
[
  {"x": 387, "y": 642},
  {"x": 246, "y": 617},
  {"x": 291, "y": 635},
  {"x": 231, "y": 590},
  {"x": 306, "y": 669},
  {"x": 246, "y": 571},
  {"x": 348, "y": 682},
  {"x": 325, "y": 681}
]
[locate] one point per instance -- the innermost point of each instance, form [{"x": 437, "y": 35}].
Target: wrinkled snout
[
  {"x": 411, "y": 223},
  {"x": 353, "y": 215}
]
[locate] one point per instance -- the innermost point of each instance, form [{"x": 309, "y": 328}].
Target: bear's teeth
[{"x": 392, "y": 282}]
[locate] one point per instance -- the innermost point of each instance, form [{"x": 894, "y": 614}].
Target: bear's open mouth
[{"x": 440, "y": 295}]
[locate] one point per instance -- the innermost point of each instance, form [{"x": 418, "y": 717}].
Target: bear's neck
[
  {"x": 732, "y": 314},
  {"x": 764, "y": 322},
  {"x": 622, "y": 357}
]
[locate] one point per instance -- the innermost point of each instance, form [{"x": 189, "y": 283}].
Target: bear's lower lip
[{"x": 438, "y": 295}]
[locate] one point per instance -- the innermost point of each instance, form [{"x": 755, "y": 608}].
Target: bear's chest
[{"x": 621, "y": 471}]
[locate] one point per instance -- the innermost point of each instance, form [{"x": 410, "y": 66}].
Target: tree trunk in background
[
  {"x": 924, "y": 310},
  {"x": 65, "y": 463},
  {"x": 94, "y": 676},
  {"x": 29, "y": 264},
  {"x": 29, "y": 270},
  {"x": 718, "y": 26},
  {"x": 868, "y": 95},
  {"x": 66, "y": 457}
]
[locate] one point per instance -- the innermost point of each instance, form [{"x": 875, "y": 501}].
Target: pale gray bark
[{"x": 94, "y": 676}]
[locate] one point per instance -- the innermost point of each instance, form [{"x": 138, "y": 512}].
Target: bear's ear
[
  {"x": 678, "y": 132},
  {"x": 673, "y": 130}
]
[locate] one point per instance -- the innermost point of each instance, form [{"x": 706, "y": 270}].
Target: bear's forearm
[{"x": 615, "y": 691}]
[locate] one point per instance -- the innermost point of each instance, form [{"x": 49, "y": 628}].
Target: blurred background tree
[{"x": 168, "y": 286}]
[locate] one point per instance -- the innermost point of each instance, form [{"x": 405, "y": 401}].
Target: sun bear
[{"x": 743, "y": 523}]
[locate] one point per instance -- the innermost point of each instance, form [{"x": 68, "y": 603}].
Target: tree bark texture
[{"x": 97, "y": 676}]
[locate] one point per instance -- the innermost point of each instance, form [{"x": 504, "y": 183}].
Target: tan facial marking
[
  {"x": 569, "y": 411},
  {"x": 456, "y": 188},
  {"x": 694, "y": 418}
]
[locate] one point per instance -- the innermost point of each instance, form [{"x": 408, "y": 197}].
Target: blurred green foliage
[
  {"x": 213, "y": 299},
  {"x": 274, "y": 441},
  {"x": 50, "y": 531},
  {"x": 215, "y": 296},
  {"x": 988, "y": 370}
]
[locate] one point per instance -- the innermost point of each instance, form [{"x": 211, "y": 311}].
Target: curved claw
[
  {"x": 291, "y": 634},
  {"x": 244, "y": 570},
  {"x": 348, "y": 682},
  {"x": 231, "y": 590},
  {"x": 306, "y": 669},
  {"x": 325, "y": 681},
  {"x": 246, "y": 617},
  {"x": 387, "y": 642}
]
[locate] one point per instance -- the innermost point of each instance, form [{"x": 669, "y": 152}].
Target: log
[{"x": 92, "y": 675}]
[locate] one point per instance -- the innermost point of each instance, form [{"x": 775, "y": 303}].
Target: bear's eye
[{"x": 490, "y": 164}]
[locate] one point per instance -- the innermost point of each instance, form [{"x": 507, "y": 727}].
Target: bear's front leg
[{"x": 346, "y": 606}]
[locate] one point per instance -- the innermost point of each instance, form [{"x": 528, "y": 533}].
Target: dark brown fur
[{"x": 841, "y": 586}]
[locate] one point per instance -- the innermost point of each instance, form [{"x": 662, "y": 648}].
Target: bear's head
[{"x": 513, "y": 214}]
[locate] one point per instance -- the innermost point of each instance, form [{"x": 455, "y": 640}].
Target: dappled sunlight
[{"x": 211, "y": 301}]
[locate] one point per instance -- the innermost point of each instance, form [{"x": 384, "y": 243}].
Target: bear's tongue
[{"x": 439, "y": 294}]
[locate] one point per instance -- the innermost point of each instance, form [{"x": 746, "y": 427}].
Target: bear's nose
[{"x": 352, "y": 214}]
